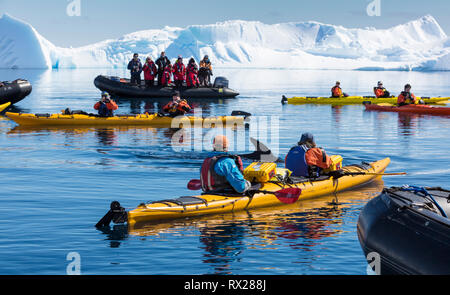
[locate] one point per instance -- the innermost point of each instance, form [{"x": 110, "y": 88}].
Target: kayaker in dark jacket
[
  {"x": 135, "y": 67},
  {"x": 161, "y": 62},
  {"x": 106, "y": 106},
  {"x": 406, "y": 97},
  {"x": 205, "y": 72},
  {"x": 306, "y": 159},
  {"x": 222, "y": 170}
]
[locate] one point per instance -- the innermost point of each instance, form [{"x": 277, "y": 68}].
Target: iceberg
[{"x": 419, "y": 45}]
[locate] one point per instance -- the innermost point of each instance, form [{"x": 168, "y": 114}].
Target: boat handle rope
[{"x": 416, "y": 189}]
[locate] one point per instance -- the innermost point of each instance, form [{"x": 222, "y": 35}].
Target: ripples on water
[{"x": 56, "y": 183}]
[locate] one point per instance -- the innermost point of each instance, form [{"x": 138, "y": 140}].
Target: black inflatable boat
[
  {"x": 121, "y": 87},
  {"x": 408, "y": 229},
  {"x": 14, "y": 91}
]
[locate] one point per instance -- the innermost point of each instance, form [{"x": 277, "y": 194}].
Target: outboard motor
[{"x": 221, "y": 82}]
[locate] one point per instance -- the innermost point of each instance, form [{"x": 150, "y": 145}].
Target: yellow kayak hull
[
  {"x": 4, "y": 106},
  {"x": 218, "y": 204},
  {"x": 137, "y": 120},
  {"x": 356, "y": 100}
]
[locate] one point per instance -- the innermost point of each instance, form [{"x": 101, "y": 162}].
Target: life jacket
[
  {"x": 296, "y": 161},
  {"x": 406, "y": 97},
  {"x": 380, "y": 91},
  {"x": 302, "y": 164},
  {"x": 103, "y": 110},
  {"x": 181, "y": 108},
  {"x": 336, "y": 91},
  {"x": 210, "y": 180}
]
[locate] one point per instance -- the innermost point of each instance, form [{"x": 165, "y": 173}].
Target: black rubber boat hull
[
  {"x": 408, "y": 239},
  {"x": 117, "y": 88},
  {"x": 15, "y": 91}
]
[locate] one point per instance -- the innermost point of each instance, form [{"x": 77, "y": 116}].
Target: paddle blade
[
  {"x": 288, "y": 195},
  {"x": 194, "y": 185},
  {"x": 240, "y": 113}
]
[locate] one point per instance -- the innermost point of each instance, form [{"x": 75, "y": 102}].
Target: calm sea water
[{"x": 56, "y": 184}]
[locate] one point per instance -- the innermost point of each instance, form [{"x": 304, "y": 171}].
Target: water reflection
[{"x": 229, "y": 238}]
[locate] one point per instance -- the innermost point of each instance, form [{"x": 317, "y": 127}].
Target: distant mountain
[{"x": 417, "y": 45}]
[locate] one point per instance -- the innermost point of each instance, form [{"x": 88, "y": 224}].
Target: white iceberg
[{"x": 417, "y": 45}]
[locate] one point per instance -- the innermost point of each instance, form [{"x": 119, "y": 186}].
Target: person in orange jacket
[
  {"x": 106, "y": 106},
  {"x": 380, "y": 91},
  {"x": 177, "y": 107},
  {"x": 406, "y": 97},
  {"x": 336, "y": 91}
]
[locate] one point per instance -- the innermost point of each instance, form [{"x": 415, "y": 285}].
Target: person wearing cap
[
  {"x": 106, "y": 106},
  {"x": 150, "y": 72},
  {"x": 161, "y": 62},
  {"x": 177, "y": 107},
  {"x": 179, "y": 72},
  {"x": 205, "y": 72},
  {"x": 221, "y": 171},
  {"x": 406, "y": 97},
  {"x": 336, "y": 91},
  {"x": 135, "y": 67},
  {"x": 380, "y": 91},
  {"x": 306, "y": 159}
]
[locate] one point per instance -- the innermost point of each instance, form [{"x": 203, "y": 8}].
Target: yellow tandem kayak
[
  {"x": 354, "y": 100},
  {"x": 4, "y": 106},
  {"x": 220, "y": 203},
  {"x": 153, "y": 120}
]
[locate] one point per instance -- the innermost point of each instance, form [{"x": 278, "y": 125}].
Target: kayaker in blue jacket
[
  {"x": 135, "y": 67},
  {"x": 221, "y": 170}
]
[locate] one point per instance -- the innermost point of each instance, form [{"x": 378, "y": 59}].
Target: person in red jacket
[
  {"x": 406, "y": 97},
  {"x": 192, "y": 74},
  {"x": 150, "y": 72},
  {"x": 166, "y": 79},
  {"x": 177, "y": 107},
  {"x": 179, "y": 72},
  {"x": 106, "y": 106}
]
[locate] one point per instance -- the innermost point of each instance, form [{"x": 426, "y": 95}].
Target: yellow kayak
[
  {"x": 220, "y": 203},
  {"x": 4, "y": 106},
  {"x": 266, "y": 221},
  {"x": 153, "y": 120},
  {"x": 354, "y": 100}
]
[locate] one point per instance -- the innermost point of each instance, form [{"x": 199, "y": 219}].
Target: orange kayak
[{"x": 416, "y": 109}]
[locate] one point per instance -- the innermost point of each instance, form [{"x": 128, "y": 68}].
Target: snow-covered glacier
[{"x": 417, "y": 45}]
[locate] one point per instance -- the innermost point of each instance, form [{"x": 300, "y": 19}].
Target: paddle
[
  {"x": 287, "y": 195},
  {"x": 371, "y": 173}
]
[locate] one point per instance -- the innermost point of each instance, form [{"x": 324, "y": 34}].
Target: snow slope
[{"x": 417, "y": 45}]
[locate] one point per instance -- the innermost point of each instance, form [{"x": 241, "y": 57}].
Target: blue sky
[{"x": 105, "y": 19}]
